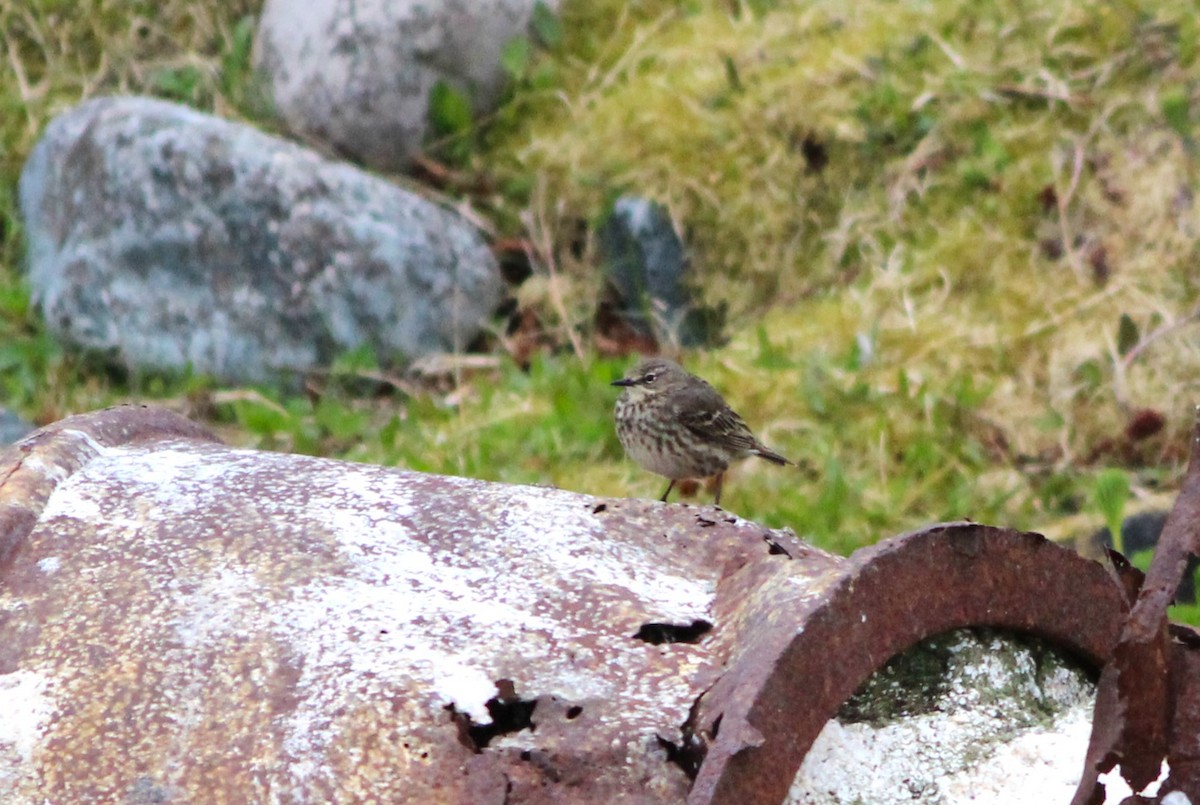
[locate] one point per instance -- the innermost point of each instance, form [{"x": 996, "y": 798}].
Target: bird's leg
[
  {"x": 720, "y": 480},
  {"x": 670, "y": 486}
]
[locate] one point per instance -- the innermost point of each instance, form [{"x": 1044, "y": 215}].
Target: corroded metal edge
[
  {"x": 771, "y": 704},
  {"x": 1184, "y": 739},
  {"x": 31, "y": 468},
  {"x": 1146, "y": 703}
]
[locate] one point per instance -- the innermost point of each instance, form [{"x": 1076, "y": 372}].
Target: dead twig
[
  {"x": 540, "y": 250},
  {"x": 1064, "y": 202}
]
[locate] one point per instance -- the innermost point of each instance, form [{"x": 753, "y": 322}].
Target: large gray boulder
[
  {"x": 357, "y": 73},
  {"x": 174, "y": 239}
]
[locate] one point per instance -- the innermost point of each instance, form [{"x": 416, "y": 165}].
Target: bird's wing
[{"x": 703, "y": 412}]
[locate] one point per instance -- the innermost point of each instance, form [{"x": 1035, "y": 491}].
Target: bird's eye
[{"x": 649, "y": 378}]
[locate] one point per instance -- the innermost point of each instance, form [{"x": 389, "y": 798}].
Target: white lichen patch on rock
[
  {"x": 1006, "y": 722},
  {"x": 25, "y": 706}
]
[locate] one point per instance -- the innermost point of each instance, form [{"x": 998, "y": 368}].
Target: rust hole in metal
[
  {"x": 774, "y": 548},
  {"x": 509, "y": 713},
  {"x": 659, "y": 633},
  {"x": 687, "y": 755}
]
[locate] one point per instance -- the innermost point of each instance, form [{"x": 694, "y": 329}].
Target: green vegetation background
[{"x": 957, "y": 239}]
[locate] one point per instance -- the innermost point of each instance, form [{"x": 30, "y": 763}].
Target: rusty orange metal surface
[{"x": 724, "y": 646}]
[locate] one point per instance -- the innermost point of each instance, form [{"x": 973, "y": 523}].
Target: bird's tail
[{"x": 771, "y": 455}]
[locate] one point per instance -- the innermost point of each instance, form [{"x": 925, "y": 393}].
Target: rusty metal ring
[{"x": 889, "y": 597}]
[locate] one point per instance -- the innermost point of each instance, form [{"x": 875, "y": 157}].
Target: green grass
[{"x": 942, "y": 228}]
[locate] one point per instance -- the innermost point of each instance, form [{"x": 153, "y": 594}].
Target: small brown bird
[{"x": 676, "y": 425}]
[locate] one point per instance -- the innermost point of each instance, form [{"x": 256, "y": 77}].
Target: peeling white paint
[
  {"x": 26, "y": 707},
  {"x": 52, "y": 471},
  {"x": 87, "y": 439},
  {"x": 366, "y": 592},
  {"x": 1116, "y": 790},
  {"x": 536, "y": 523},
  {"x": 215, "y": 608},
  {"x": 79, "y": 506},
  {"x": 436, "y": 615},
  {"x": 57, "y": 472}
]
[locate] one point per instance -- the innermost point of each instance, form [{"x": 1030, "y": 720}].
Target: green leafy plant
[
  {"x": 1128, "y": 334},
  {"x": 184, "y": 84},
  {"x": 1110, "y": 492},
  {"x": 515, "y": 56},
  {"x": 1186, "y": 613},
  {"x": 546, "y": 25},
  {"x": 1177, "y": 111},
  {"x": 451, "y": 122},
  {"x": 449, "y": 110}
]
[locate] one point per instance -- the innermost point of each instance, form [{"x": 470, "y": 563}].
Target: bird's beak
[{"x": 622, "y": 382}]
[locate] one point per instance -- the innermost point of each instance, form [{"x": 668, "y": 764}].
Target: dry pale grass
[{"x": 59, "y": 52}]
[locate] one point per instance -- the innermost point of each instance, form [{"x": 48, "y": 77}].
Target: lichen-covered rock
[
  {"x": 173, "y": 239},
  {"x": 968, "y": 716},
  {"x": 357, "y": 73}
]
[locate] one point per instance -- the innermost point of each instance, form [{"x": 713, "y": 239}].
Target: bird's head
[{"x": 650, "y": 377}]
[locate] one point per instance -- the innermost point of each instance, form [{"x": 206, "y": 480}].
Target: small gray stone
[
  {"x": 172, "y": 238},
  {"x": 1140, "y": 532},
  {"x": 12, "y": 427},
  {"x": 357, "y": 73},
  {"x": 647, "y": 268}
]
